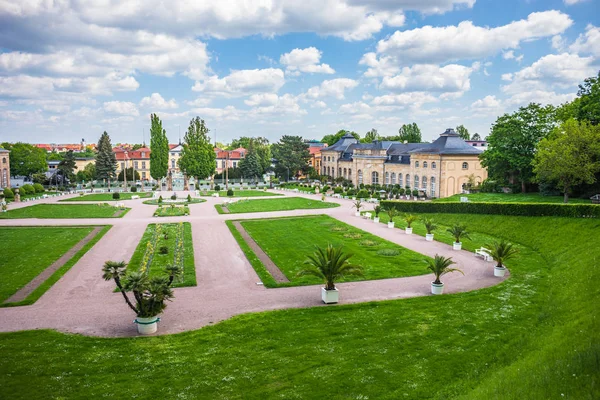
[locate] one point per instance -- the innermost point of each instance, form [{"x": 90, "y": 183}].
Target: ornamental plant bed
[{"x": 172, "y": 211}]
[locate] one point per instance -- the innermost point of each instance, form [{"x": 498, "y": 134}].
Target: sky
[{"x": 71, "y": 69}]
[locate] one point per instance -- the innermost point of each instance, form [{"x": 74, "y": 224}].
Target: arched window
[
  {"x": 339, "y": 171},
  {"x": 345, "y": 173},
  {"x": 407, "y": 180},
  {"x": 387, "y": 178},
  {"x": 432, "y": 182},
  {"x": 416, "y": 164},
  {"x": 400, "y": 180},
  {"x": 4, "y": 160},
  {"x": 424, "y": 183},
  {"x": 424, "y": 164},
  {"x": 374, "y": 178},
  {"x": 416, "y": 186},
  {"x": 393, "y": 181},
  {"x": 360, "y": 177},
  {"x": 465, "y": 165},
  {"x": 328, "y": 171},
  {"x": 350, "y": 173},
  {"x": 433, "y": 165}
]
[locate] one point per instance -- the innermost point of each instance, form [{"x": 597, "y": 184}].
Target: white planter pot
[
  {"x": 390, "y": 225},
  {"x": 437, "y": 289},
  {"x": 376, "y": 220},
  {"x": 408, "y": 231},
  {"x": 147, "y": 326},
  {"x": 499, "y": 271},
  {"x": 330, "y": 296},
  {"x": 457, "y": 246},
  {"x": 429, "y": 237},
  {"x": 357, "y": 214}
]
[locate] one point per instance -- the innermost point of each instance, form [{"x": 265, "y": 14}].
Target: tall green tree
[
  {"x": 159, "y": 149},
  {"x": 132, "y": 175},
  {"x": 570, "y": 156},
  {"x": 68, "y": 166},
  {"x": 26, "y": 159},
  {"x": 260, "y": 146},
  {"x": 332, "y": 139},
  {"x": 476, "y": 136},
  {"x": 250, "y": 166},
  {"x": 106, "y": 161},
  {"x": 463, "y": 132},
  {"x": 90, "y": 170},
  {"x": 198, "y": 157},
  {"x": 291, "y": 153},
  {"x": 370, "y": 136},
  {"x": 410, "y": 133},
  {"x": 513, "y": 141},
  {"x": 588, "y": 107}
]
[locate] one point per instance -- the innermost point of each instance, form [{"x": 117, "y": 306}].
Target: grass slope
[
  {"x": 302, "y": 234},
  {"x": 510, "y": 198},
  {"x": 63, "y": 211},
  {"x": 244, "y": 193},
  {"x": 108, "y": 196},
  {"x": 284, "y": 204},
  {"x": 534, "y": 336}
]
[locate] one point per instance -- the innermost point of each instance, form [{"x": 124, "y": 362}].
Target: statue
[
  {"x": 170, "y": 181},
  {"x": 17, "y": 195}
]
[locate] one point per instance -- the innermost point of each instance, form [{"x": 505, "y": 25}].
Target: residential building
[
  {"x": 439, "y": 169},
  {"x": 228, "y": 158},
  {"x": 138, "y": 159},
  {"x": 314, "y": 148},
  {"x": 4, "y": 168},
  {"x": 174, "y": 155},
  {"x": 480, "y": 145}
]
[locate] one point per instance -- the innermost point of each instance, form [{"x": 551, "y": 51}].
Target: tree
[
  {"x": 330, "y": 265},
  {"x": 260, "y": 146},
  {"x": 409, "y": 133},
  {"x": 106, "y": 161},
  {"x": 26, "y": 159},
  {"x": 476, "y": 137},
  {"x": 463, "y": 132},
  {"x": 54, "y": 156},
  {"x": 292, "y": 155},
  {"x": 68, "y": 166},
  {"x": 513, "y": 142},
  {"x": 159, "y": 149},
  {"x": 198, "y": 157},
  {"x": 250, "y": 166},
  {"x": 131, "y": 176},
  {"x": 90, "y": 170},
  {"x": 570, "y": 156},
  {"x": 332, "y": 139},
  {"x": 588, "y": 107},
  {"x": 370, "y": 136}
]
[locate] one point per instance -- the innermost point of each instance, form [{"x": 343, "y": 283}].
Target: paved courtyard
[{"x": 82, "y": 302}]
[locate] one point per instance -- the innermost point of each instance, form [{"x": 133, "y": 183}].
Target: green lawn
[
  {"x": 31, "y": 196},
  {"x": 159, "y": 261},
  {"x": 59, "y": 211},
  {"x": 302, "y": 234},
  {"x": 244, "y": 193},
  {"x": 280, "y": 204},
  {"x": 26, "y": 252},
  {"x": 154, "y": 202},
  {"x": 535, "y": 336},
  {"x": 511, "y": 198},
  {"x": 300, "y": 187},
  {"x": 108, "y": 196},
  {"x": 175, "y": 211}
]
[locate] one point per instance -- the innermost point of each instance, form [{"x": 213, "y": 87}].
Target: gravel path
[{"x": 82, "y": 302}]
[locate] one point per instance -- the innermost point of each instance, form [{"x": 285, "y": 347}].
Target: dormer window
[{"x": 143, "y": 154}]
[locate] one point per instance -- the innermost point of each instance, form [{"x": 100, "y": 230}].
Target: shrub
[
  {"x": 353, "y": 235},
  {"x": 362, "y": 194},
  {"x": 415, "y": 193},
  {"x": 160, "y": 199},
  {"x": 8, "y": 193},
  {"x": 189, "y": 198},
  {"x": 388, "y": 252},
  {"x": 351, "y": 192},
  {"x": 173, "y": 196},
  {"x": 402, "y": 191},
  {"x": 338, "y": 190},
  {"x": 116, "y": 196},
  {"x": 368, "y": 243},
  {"x": 133, "y": 189},
  {"x": 163, "y": 250},
  {"x": 38, "y": 188},
  {"x": 217, "y": 188},
  {"x": 229, "y": 192},
  {"x": 27, "y": 189}
]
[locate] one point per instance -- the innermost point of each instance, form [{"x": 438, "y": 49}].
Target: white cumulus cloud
[
  {"x": 305, "y": 60},
  {"x": 242, "y": 83},
  {"x": 121, "y": 108},
  {"x": 156, "y": 101}
]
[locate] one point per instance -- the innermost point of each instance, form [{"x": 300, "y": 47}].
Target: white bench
[
  {"x": 367, "y": 215},
  {"x": 485, "y": 253},
  {"x": 135, "y": 197}
]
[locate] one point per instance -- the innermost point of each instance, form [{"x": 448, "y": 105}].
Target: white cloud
[
  {"x": 450, "y": 78},
  {"x": 334, "y": 88},
  {"x": 405, "y": 99},
  {"x": 156, "y": 101},
  {"x": 488, "y": 105},
  {"x": 588, "y": 42},
  {"x": 507, "y": 55},
  {"x": 466, "y": 41},
  {"x": 271, "y": 104},
  {"x": 571, "y": 2},
  {"x": 558, "y": 42},
  {"x": 121, "y": 107},
  {"x": 507, "y": 77},
  {"x": 539, "y": 96},
  {"x": 199, "y": 102},
  {"x": 382, "y": 66},
  {"x": 242, "y": 83},
  {"x": 355, "y": 108},
  {"x": 305, "y": 60},
  {"x": 226, "y": 113}
]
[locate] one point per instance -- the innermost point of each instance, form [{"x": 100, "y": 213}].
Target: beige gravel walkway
[{"x": 82, "y": 302}]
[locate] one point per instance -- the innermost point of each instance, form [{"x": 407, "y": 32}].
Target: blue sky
[{"x": 72, "y": 69}]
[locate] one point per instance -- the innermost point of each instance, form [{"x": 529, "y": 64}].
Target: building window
[
  {"x": 387, "y": 178},
  {"x": 400, "y": 180},
  {"x": 349, "y": 174},
  {"x": 235, "y": 164},
  {"x": 135, "y": 164},
  {"x": 345, "y": 173},
  {"x": 339, "y": 172},
  {"x": 143, "y": 164},
  {"x": 407, "y": 181},
  {"x": 393, "y": 181},
  {"x": 432, "y": 186},
  {"x": 143, "y": 155},
  {"x": 172, "y": 154},
  {"x": 360, "y": 177},
  {"x": 424, "y": 183},
  {"x": 433, "y": 166},
  {"x": 328, "y": 158},
  {"x": 223, "y": 164},
  {"x": 172, "y": 163},
  {"x": 4, "y": 178},
  {"x": 374, "y": 178},
  {"x": 424, "y": 164},
  {"x": 143, "y": 175},
  {"x": 416, "y": 186},
  {"x": 416, "y": 164},
  {"x": 122, "y": 165},
  {"x": 465, "y": 165},
  {"x": 4, "y": 160},
  {"x": 328, "y": 171}
]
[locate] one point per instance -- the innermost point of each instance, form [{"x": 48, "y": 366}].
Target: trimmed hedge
[{"x": 515, "y": 209}]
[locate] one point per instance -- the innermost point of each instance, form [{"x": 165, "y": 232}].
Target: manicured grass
[
  {"x": 511, "y": 198},
  {"x": 159, "y": 261},
  {"x": 535, "y": 336},
  {"x": 168, "y": 211},
  {"x": 300, "y": 187},
  {"x": 244, "y": 193},
  {"x": 26, "y": 252},
  {"x": 108, "y": 196},
  {"x": 60, "y": 211},
  {"x": 304, "y": 233},
  {"x": 31, "y": 196},
  {"x": 283, "y": 204},
  {"x": 154, "y": 202}
]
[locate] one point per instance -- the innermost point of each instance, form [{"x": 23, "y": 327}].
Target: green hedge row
[{"x": 522, "y": 209}]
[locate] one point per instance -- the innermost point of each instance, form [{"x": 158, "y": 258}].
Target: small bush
[
  {"x": 189, "y": 198},
  {"x": 353, "y": 235},
  {"x": 338, "y": 190},
  {"x": 8, "y": 193},
  {"x": 217, "y": 188},
  {"x": 160, "y": 199},
  {"x": 339, "y": 229},
  {"x": 368, "y": 243},
  {"x": 163, "y": 250},
  {"x": 38, "y": 188},
  {"x": 116, "y": 196},
  {"x": 173, "y": 196},
  {"x": 229, "y": 192},
  {"x": 27, "y": 189},
  {"x": 362, "y": 194},
  {"x": 133, "y": 189},
  {"x": 388, "y": 252}
]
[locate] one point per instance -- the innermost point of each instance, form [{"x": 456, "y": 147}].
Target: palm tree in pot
[
  {"x": 391, "y": 212},
  {"x": 150, "y": 293},
  {"x": 458, "y": 231},
  {"x": 358, "y": 205},
  {"x": 430, "y": 226},
  {"x": 330, "y": 265},
  {"x": 409, "y": 218},
  {"x": 502, "y": 251},
  {"x": 377, "y": 209},
  {"x": 440, "y": 265}
]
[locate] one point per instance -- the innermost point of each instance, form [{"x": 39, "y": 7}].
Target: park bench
[
  {"x": 135, "y": 197},
  {"x": 485, "y": 253}
]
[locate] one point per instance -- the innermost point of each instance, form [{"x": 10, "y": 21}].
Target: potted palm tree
[
  {"x": 430, "y": 226},
  {"x": 458, "y": 231},
  {"x": 377, "y": 209},
  {"x": 150, "y": 293},
  {"x": 391, "y": 212},
  {"x": 330, "y": 265},
  {"x": 409, "y": 218},
  {"x": 440, "y": 265},
  {"x": 502, "y": 251},
  {"x": 358, "y": 205}
]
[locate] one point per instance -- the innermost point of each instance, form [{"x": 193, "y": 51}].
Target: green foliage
[
  {"x": 250, "y": 166},
  {"x": 38, "y": 188},
  {"x": 291, "y": 154},
  {"x": 217, "y": 187},
  {"x": 440, "y": 265},
  {"x": 476, "y": 136},
  {"x": 332, "y": 139},
  {"x": 371, "y": 136},
  {"x": 282, "y": 204},
  {"x": 502, "y": 251},
  {"x": 429, "y": 225},
  {"x": 260, "y": 148},
  {"x": 133, "y": 189},
  {"x": 391, "y": 213},
  {"x": 458, "y": 231},
  {"x": 27, "y": 189},
  {"x": 106, "y": 160},
  {"x": 8, "y": 193},
  {"x": 330, "y": 265},
  {"x": 377, "y": 209},
  {"x": 67, "y": 165},
  {"x": 463, "y": 132},
  {"x": 357, "y": 204},
  {"x": 410, "y": 218},
  {"x": 198, "y": 156},
  {"x": 229, "y": 192},
  {"x": 159, "y": 149},
  {"x": 163, "y": 250},
  {"x": 132, "y": 175},
  {"x": 363, "y": 194},
  {"x": 116, "y": 196},
  {"x": 588, "y": 107},
  {"x": 410, "y": 133},
  {"x": 26, "y": 159},
  {"x": 90, "y": 171}
]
